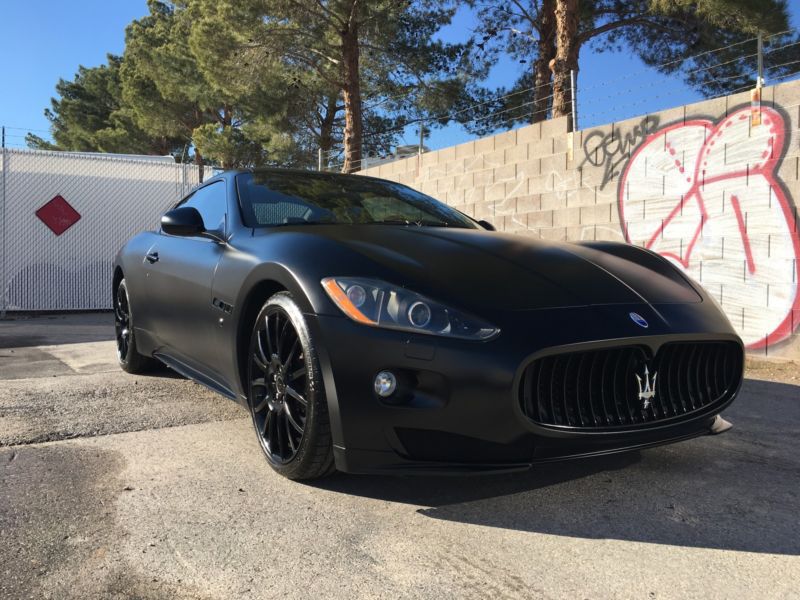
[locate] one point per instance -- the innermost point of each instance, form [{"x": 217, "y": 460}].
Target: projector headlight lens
[
  {"x": 356, "y": 295},
  {"x": 380, "y": 304},
  {"x": 419, "y": 314}
]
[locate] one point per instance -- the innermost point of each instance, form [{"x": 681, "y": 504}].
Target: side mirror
[
  {"x": 486, "y": 225},
  {"x": 183, "y": 221}
]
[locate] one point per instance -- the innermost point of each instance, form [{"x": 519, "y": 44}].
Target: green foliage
[
  {"x": 680, "y": 37},
  {"x": 268, "y": 82},
  {"x": 302, "y": 48},
  {"x": 748, "y": 17},
  {"x": 712, "y": 47},
  {"x": 89, "y": 116},
  {"x": 180, "y": 78},
  {"x": 39, "y": 143},
  {"x": 254, "y": 82}
]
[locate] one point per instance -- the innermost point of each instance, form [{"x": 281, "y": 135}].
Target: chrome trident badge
[{"x": 649, "y": 391}]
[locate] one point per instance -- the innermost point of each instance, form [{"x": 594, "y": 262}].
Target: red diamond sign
[{"x": 58, "y": 215}]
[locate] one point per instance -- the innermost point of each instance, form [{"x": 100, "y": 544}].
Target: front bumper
[
  {"x": 459, "y": 410},
  {"x": 389, "y": 462}
]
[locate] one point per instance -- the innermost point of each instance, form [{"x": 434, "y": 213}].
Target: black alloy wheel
[
  {"x": 127, "y": 353},
  {"x": 280, "y": 409},
  {"x": 122, "y": 322},
  {"x": 289, "y": 413}
]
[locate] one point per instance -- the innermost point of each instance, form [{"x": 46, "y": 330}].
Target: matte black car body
[{"x": 464, "y": 409}]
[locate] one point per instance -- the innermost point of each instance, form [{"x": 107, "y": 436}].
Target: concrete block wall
[{"x": 711, "y": 186}]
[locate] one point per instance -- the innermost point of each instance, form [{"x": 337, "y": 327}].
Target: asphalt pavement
[{"x": 121, "y": 486}]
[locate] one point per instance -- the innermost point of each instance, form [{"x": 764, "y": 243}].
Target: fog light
[{"x": 385, "y": 384}]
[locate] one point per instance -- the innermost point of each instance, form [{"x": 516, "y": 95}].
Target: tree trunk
[
  {"x": 198, "y": 160},
  {"x": 546, "y": 51},
  {"x": 567, "y": 47},
  {"x": 190, "y": 126},
  {"x": 228, "y": 161},
  {"x": 160, "y": 146},
  {"x": 351, "y": 88},
  {"x": 326, "y": 128}
]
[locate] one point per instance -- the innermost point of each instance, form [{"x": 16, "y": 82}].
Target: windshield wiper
[
  {"x": 301, "y": 222},
  {"x": 408, "y": 223}
]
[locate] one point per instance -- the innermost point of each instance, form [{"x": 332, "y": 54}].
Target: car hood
[{"x": 476, "y": 268}]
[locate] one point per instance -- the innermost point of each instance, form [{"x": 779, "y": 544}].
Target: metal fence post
[
  {"x": 574, "y": 97},
  {"x": 755, "y": 94},
  {"x": 760, "y": 79},
  {"x": 183, "y": 169},
  {"x": 3, "y": 169}
]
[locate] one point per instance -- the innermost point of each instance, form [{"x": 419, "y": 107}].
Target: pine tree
[
  {"x": 383, "y": 47},
  {"x": 89, "y": 116},
  {"x": 672, "y": 36}
]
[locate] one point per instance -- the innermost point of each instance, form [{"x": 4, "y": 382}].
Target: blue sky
[{"x": 43, "y": 40}]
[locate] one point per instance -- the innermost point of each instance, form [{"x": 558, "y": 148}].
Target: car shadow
[
  {"x": 738, "y": 491},
  {"x": 24, "y": 330}
]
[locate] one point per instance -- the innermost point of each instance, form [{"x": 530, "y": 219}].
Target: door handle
[{"x": 152, "y": 257}]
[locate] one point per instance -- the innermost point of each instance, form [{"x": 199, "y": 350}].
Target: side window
[{"x": 211, "y": 202}]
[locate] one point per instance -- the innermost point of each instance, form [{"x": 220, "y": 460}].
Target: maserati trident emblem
[{"x": 648, "y": 392}]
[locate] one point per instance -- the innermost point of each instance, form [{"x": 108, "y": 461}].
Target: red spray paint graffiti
[{"x": 707, "y": 196}]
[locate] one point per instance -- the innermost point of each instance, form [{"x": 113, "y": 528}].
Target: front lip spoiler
[
  {"x": 716, "y": 427},
  {"x": 404, "y": 466}
]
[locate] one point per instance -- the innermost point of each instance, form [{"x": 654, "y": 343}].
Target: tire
[
  {"x": 127, "y": 353},
  {"x": 285, "y": 392}
]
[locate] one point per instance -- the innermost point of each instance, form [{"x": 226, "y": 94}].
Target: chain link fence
[{"x": 64, "y": 215}]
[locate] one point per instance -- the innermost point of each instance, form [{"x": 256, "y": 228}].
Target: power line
[
  {"x": 635, "y": 74},
  {"x": 452, "y": 116},
  {"x": 29, "y": 129}
]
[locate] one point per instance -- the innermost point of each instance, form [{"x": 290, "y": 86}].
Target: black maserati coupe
[{"x": 370, "y": 328}]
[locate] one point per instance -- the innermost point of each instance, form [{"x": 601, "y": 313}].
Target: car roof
[{"x": 280, "y": 170}]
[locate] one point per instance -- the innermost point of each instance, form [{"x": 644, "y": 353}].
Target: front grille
[{"x": 599, "y": 389}]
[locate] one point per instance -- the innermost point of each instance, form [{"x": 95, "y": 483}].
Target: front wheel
[
  {"x": 285, "y": 392},
  {"x": 127, "y": 353}
]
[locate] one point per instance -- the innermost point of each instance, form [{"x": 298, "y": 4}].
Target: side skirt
[{"x": 195, "y": 375}]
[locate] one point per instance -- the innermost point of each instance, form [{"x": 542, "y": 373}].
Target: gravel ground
[
  {"x": 115, "y": 486},
  {"x": 50, "y": 409},
  {"x": 783, "y": 371}
]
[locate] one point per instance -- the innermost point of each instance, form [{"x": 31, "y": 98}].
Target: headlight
[{"x": 380, "y": 304}]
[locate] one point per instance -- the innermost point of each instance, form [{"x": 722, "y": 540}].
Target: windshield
[{"x": 275, "y": 198}]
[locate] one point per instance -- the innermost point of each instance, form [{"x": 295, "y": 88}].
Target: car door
[{"x": 180, "y": 275}]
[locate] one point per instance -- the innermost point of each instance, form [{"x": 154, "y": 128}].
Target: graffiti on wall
[
  {"x": 610, "y": 150},
  {"x": 706, "y": 195}
]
